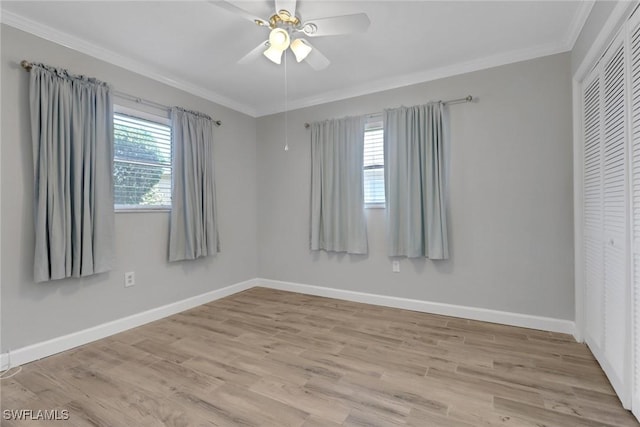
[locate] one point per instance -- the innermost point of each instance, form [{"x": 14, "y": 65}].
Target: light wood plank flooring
[{"x": 271, "y": 358}]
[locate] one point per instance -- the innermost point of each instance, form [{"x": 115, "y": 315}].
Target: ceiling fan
[{"x": 287, "y": 30}]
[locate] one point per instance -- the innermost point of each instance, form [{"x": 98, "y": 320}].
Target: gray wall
[
  {"x": 510, "y": 203},
  {"x": 511, "y": 227},
  {"x": 36, "y": 312}
]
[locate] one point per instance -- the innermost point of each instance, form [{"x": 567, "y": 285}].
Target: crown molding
[
  {"x": 618, "y": 16},
  {"x": 72, "y": 42},
  {"x": 565, "y": 45},
  {"x": 67, "y": 40},
  {"x": 577, "y": 23},
  {"x": 420, "y": 77}
]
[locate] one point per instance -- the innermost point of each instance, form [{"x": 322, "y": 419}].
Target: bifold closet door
[
  {"x": 606, "y": 121},
  {"x": 611, "y": 212}
]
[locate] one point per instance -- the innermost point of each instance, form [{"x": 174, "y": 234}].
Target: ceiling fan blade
[
  {"x": 223, "y": 4},
  {"x": 254, "y": 54},
  {"x": 336, "y": 25},
  {"x": 316, "y": 59},
  {"x": 288, "y": 5}
]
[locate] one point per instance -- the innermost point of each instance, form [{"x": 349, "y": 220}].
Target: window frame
[
  {"x": 159, "y": 119},
  {"x": 374, "y": 122}
]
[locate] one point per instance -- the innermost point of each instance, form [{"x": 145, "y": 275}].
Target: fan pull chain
[{"x": 286, "y": 113}]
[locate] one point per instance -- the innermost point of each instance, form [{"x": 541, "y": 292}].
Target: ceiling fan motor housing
[{"x": 284, "y": 19}]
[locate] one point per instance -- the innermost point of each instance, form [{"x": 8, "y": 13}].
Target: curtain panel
[
  {"x": 193, "y": 228},
  {"x": 72, "y": 136},
  {"x": 414, "y": 143},
  {"x": 337, "y": 195}
]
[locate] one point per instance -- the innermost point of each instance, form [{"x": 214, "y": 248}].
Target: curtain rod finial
[
  {"x": 469, "y": 98},
  {"x": 26, "y": 64}
]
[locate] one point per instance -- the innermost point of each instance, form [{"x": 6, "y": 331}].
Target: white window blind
[
  {"x": 142, "y": 163},
  {"x": 374, "y": 164}
]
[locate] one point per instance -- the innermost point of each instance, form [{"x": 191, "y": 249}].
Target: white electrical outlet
[
  {"x": 129, "y": 279},
  {"x": 395, "y": 266}
]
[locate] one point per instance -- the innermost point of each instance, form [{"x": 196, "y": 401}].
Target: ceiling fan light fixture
[
  {"x": 300, "y": 49},
  {"x": 279, "y": 39},
  {"x": 274, "y": 55}
]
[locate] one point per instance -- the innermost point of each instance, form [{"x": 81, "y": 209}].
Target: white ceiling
[{"x": 194, "y": 45}]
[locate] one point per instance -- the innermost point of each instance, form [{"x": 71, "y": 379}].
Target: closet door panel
[
  {"x": 615, "y": 314},
  {"x": 634, "y": 47},
  {"x": 611, "y": 212},
  {"x": 594, "y": 257},
  {"x": 615, "y": 212},
  {"x": 592, "y": 209}
]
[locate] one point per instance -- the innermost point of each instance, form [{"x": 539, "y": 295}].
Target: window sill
[
  {"x": 375, "y": 206},
  {"x": 142, "y": 210}
]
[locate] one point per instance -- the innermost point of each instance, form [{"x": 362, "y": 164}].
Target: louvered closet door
[
  {"x": 592, "y": 210},
  {"x": 634, "y": 46},
  {"x": 615, "y": 214}
]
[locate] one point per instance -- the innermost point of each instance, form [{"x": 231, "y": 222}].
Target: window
[
  {"x": 142, "y": 162},
  {"x": 374, "y": 164}
]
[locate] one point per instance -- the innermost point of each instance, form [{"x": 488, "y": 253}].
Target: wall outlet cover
[
  {"x": 129, "y": 279},
  {"x": 395, "y": 266}
]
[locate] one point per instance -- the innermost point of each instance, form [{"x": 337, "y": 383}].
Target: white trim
[
  {"x": 419, "y": 77},
  {"x": 375, "y": 205},
  {"x": 145, "y": 209},
  {"x": 67, "y": 40},
  {"x": 80, "y": 45},
  {"x": 628, "y": 367},
  {"x": 474, "y": 313},
  {"x": 574, "y": 29},
  {"x": 56, "y": 345},
  {"x": 578, "y": 21},
  {"x": 620, "y": 13},
  {"x": 4, "y": 362},
  {"x": 578, "y": 265},
  {"x": 66, "y": 342}
]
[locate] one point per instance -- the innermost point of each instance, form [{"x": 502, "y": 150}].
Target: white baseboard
[
  {"x": 483, "y": 314},
  {"x": 4, "y": 362},
  {"x": 66, "y": 342},
  {"x": 56, "y": 345}
]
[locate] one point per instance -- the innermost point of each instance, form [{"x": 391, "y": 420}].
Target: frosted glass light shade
[
  {"x": 279, "y": 39},
  {"x": 300, "y": 49},
  {"x": 274, "y": 55}
]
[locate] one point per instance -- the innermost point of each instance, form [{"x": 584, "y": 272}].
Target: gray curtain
[
  {"x": 72, "y": 135},
  {"x": 194, "y": 230},
  {"x": 337, "y": 194},
  {"x": 414, "y": 144}
]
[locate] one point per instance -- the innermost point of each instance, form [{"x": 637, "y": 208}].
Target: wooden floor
[{"x": 272, "y": 358}]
